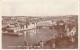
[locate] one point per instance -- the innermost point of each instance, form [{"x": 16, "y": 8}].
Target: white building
[{"x": 45, "y": 23}]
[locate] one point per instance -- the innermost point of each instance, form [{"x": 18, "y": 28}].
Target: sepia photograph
[{"x": 42, "y": 24}]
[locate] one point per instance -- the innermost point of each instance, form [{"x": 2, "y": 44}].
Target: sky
[{"x": 39, "y": 7}]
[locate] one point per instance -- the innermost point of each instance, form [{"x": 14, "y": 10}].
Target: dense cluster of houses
[
  {"x": 66, "y": 26},
  {"x": 18, "y": 24}
]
